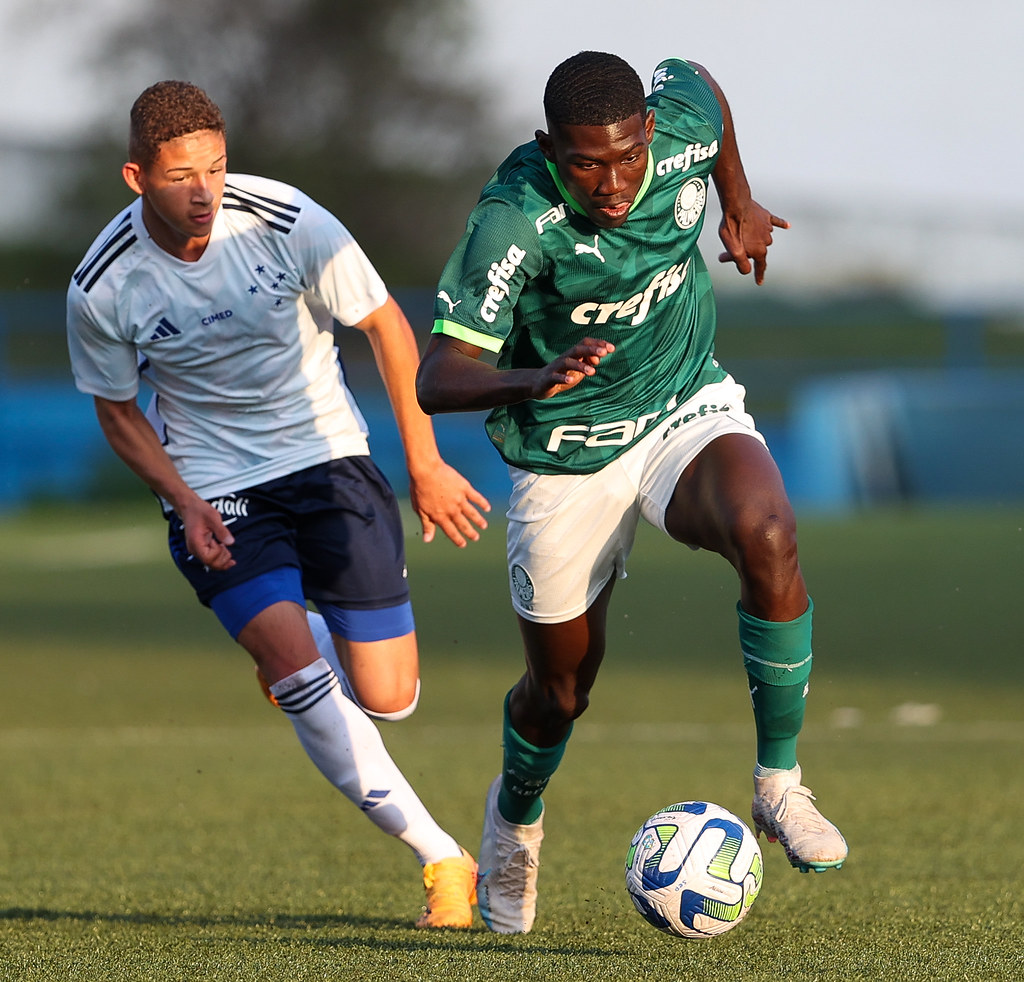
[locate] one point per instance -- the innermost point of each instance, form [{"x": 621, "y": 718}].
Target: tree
[{"x": 358, "y": 103}]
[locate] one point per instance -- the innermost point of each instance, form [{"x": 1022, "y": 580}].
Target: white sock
[
  {"x": 348, "y": 750},
  {"x": 762, "y": 772}
]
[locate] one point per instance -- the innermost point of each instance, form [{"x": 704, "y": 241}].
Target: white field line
[
  {"x": 42, "y": 738},
  {"x": 90, "y": 550}
]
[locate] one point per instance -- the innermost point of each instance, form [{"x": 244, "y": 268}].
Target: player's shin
[
  {"x": 777, "y": 657},
  {"x": 525, "y": 774},
  {"x": 348, "y": 750}
]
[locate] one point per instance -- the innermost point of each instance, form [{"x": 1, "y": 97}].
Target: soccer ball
[{"x": 693, "y": 870}]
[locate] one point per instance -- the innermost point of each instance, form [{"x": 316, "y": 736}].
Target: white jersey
[{"x": 238, "y": 346}]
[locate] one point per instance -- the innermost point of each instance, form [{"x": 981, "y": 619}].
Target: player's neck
[{"x": 186, "y": 248}]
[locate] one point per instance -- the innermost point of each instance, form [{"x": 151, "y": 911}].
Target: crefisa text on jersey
[
  {"x": 498, "y": 275},
  {"x": 694, "y": 153},
  {"x": 636, "y": 308}
]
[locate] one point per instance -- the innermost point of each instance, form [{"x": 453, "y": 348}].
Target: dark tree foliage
[{"x": 367, "y": 106}]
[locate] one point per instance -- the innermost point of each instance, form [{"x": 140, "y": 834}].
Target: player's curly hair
[
  {"x": 168, "y": 110},
  {"x": 593, "y": 89}
]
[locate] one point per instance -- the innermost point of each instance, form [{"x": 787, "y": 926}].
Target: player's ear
[
  {"x": 132, "y": 174},
  {"x": 545, "y": 144},
  {"x": 649, "y": 125}
]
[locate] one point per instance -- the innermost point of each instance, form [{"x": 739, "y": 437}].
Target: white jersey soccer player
[
  {"x": 222, "y": 294},
  {"x": 220, "y": 339}
]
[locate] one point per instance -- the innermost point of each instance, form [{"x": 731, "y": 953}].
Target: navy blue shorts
[{"x": 331, "y": 534}]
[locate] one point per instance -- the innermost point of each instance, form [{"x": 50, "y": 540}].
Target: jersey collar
[{"x": 575, "y": 205}]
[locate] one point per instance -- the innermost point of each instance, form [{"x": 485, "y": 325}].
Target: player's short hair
[
  {"x": 165, "y": 111},
  {"x": 593, "y": 88}
]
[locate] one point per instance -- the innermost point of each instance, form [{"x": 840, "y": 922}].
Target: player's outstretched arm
[
  {"x": 133, "y": 439},
  {"x": 451, "y": 377},
  {"x": 442, "y": 497},
  {"x": 746, "y": 226}
]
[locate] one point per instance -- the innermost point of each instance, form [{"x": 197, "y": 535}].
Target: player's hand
[
  {"x": 207, "y": 537},
  {"x": 746, "y": 233},
  {"x": 443, "y": 498},
  {"x": 570, "y": 368}
]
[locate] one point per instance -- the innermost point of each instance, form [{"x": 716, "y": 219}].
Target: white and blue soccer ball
[{"x": 693, "y": 870}]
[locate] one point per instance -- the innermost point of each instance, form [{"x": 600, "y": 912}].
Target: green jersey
[{"x": 532, "y": 276}]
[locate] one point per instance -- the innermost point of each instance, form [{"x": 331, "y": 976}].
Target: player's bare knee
[
  {"x": 567, "y": 702},
  {"x": 766, "y": 544},
  {"x": 399, "y": 705},
  {"x": 552, "y": 703}
]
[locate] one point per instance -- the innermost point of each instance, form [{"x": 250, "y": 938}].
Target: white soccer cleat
[
  {"x": 509, "y": 859},
  {"x": 783, "y": 810}
]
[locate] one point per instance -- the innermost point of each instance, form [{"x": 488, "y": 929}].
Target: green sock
[
  {"x": 777, "y": 657},
  {"x": 778, "y": 719},
  {"x": 525, "y": 774}
]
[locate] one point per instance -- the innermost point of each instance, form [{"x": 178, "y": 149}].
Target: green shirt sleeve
[
  {"x": 481, "y": 282},
  {"x": 678, "y": 82}
]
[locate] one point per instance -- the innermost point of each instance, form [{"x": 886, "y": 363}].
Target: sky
[
  {"x": 889, "y": 132},
  {"x": 892, "y": 101}
]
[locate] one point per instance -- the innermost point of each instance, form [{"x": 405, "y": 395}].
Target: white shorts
[{"x": 569, "y": 534}]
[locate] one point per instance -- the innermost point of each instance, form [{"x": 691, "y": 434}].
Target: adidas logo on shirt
[{"x": 164, "y": 329}]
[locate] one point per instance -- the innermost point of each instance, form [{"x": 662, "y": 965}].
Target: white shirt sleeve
[
  {"x": 335, "y": 268},
  {"x": 103, "y": 363}
]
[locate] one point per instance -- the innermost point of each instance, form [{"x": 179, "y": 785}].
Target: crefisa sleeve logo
[{"x": 499, "y": 275}]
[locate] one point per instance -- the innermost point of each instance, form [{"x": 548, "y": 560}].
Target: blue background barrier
[{"x": 844, "y": 439}]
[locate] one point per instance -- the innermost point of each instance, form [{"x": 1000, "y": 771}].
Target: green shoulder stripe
[{"x": 467, "y": 334}]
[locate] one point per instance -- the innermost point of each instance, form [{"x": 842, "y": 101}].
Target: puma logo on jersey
[
  {"x": 594, "y": 250},
  {"x": 452, "y": 304}
]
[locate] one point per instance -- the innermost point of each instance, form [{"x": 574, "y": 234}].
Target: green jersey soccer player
[
  {"x": 580, "y": 269},
  {"x": 533, "y": 275}
]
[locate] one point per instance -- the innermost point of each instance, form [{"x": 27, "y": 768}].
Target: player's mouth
[{"x": 612, "y": 214}]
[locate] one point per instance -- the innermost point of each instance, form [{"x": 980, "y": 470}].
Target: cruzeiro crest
[{"x": 690, "y": 203}]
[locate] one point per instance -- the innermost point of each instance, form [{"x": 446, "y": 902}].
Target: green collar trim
[{"x": 578, "y": 208}]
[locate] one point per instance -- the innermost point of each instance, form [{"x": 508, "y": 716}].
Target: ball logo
[{"x": 690, "y": 203}]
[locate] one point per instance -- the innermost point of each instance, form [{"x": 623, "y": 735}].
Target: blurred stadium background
[
  {"x": 866, "y": 400},
  {"x": 884, "y": 357}
]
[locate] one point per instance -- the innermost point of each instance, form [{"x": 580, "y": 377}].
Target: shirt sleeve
[
  {"x": 678, "y": 82},
  {"x": 334, "y": 267},
  {"x": 103, "y": 362},
  {"x": 481, "y": 282}
]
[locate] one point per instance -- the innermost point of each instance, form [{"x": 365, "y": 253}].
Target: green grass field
[{"x": 159, "y": 821}]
